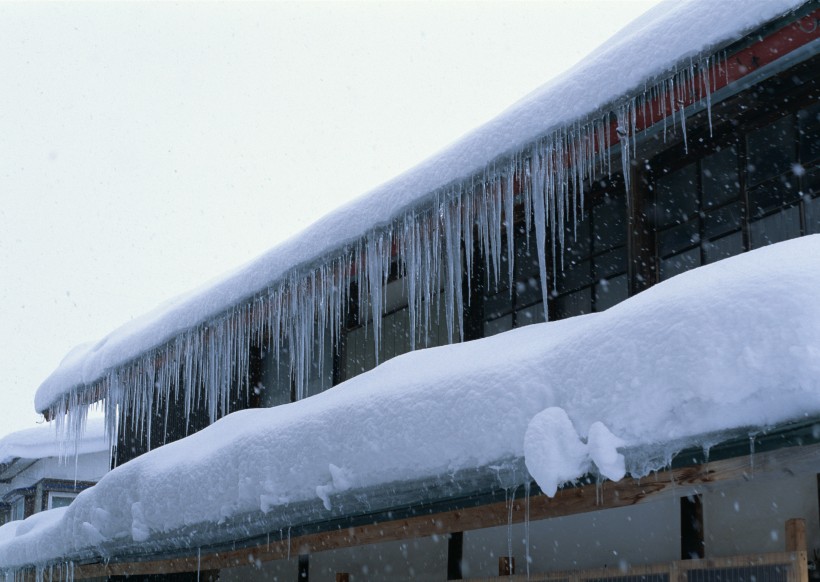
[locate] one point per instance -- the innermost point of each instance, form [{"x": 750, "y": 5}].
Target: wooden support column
[
  {"x": 506, "y": 565},
  {"x": 691, "y": 528},
  {"x": 304, "y": 568},
  {"x": 796, "y": 535},
  {"x": 342, "y": 577},
  {"x": 455, "y": 553}
]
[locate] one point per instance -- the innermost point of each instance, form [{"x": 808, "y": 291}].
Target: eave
[{"x": 485, "y": 497}]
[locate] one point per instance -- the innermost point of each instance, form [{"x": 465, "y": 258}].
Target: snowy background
[{"x": 148, "y": 148}]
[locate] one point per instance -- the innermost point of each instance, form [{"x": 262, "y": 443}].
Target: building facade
[{"x": 714, "y": 155}]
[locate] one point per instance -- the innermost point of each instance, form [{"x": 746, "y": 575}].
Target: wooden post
[
  {"x": 506, "y": 565},
  {"x": 342, "y": 577},
  {"x": 796, "y": 535},
  {"x": 692, "y": 541},
  {"x": 455, "y": 554},
  {"x": 304, "y": 568}
]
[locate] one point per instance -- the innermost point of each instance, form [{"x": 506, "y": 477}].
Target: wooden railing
[
  {"x": 777, "y": 567},
  {"x": 788, "y": 566}
]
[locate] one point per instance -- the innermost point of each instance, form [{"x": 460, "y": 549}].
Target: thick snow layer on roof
[
  {"x": 728, "y": 346},
  {"x": 43, "y": 441},
  {"x": 653, "y": 45}
]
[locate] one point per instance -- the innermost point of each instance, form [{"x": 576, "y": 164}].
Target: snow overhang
[
  {"x": 668, "y": 39},
  {"x": 491, "y": 490}
]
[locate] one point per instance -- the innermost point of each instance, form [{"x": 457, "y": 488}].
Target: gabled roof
[{"x": 667, "y": 40}]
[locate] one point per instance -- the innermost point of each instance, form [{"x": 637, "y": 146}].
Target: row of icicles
[{"x": 431, "y": 245}]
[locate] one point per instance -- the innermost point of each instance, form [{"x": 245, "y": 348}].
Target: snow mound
[
  {"x": 43, "y": 441},
  {"x": 729, "y": 345}
]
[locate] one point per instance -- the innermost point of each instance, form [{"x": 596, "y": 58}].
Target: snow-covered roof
[
  {"x": 43, "y": 441},
  {"x": 666, "y": 37},
  {"x": 730, "y": 346}
]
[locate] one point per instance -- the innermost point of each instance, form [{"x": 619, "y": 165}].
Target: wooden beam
[
  {"x": 568, "y": 501},
  {"x": 796, "y": 535},
  {"x": 795, "y": 563},
  {"x": 506, "y": 565}
]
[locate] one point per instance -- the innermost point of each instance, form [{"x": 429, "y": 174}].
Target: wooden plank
[
  {"x": 568, "y": 501},
  {"x": 796, "y": 535},
  {"x": 676, "y": 570}
]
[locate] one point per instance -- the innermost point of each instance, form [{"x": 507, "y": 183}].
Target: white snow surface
[
  {"x": 651, "y": 46},
  {"x": 43, "y": 441},
  {"x": 731, "y": 345}
]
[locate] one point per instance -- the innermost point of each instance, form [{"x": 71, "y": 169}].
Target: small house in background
[
  {"x": 286, "y": 424},
  {"x": 39, "y": 471}
]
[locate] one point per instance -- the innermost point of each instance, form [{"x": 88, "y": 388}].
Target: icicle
[
  {"x": 527, "y": 558},
  {"x": 540, "y": 217},
  {"x": 707, "y": 89},
  {"x": 681, "y": 103},
  {"x": 624, "y": 121},
  {"x": 510, "y": 524},
  {"x": 508, "y": 194},
  {"x": 304, "y": 311}
]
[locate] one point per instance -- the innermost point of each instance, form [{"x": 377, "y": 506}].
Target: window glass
[
  {"x": 771, "y": 150},
  {"x": 497, "y": 304},
  {"x": 609, "y": 223},
  {"x": 680, "y": 263},
  {"x": 722, "y": 220},
  {"x": 609, "y": 292},
  {"x": 676, "y": 197},
  {"x": 678, "y": 238},
  {"x": 773, "y": 194},
  {"x": 719, "y": 177},
  {"x": 572, "y": 304},
  {"x": 723, "y": 247},
  {"x": 532, "y": 314},
  {"x": 612, "y": 263},
  {"x": 812, "y": 215},
  {"x": 56, "y": 500},
  {"x": 395, "y": 334},
  {"x": 574, "y": 275},
  {"x": 776, "y": 227},
  {"x": 526, "y": 272},
  {"x": 528, "y": 291},
  {"x": 18, "y": 509},
  {"x": 808, "y": 121},
  {"x": 498, "y": 325}
]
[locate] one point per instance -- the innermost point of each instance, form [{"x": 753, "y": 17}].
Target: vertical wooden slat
[
  {"x": 796, "y": 535},
  {"x": 304, "y": 568},
  {"x": 506, "y": 565},
  {"x": 455, "y": 553},
  {"x": 692, "y": 543}
]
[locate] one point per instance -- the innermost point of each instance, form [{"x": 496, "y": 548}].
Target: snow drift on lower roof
[
  {"x": 650, "y": 48},
  {"x": 43, "y": 441},
  {"x": 726, "y": 346}
]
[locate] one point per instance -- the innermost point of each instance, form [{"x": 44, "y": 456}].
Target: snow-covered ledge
[{"x": 730, "y": 345}]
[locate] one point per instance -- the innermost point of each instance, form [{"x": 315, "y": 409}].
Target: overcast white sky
[{"x": 147, "y": 148}]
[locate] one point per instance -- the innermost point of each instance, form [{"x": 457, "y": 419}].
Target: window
[
  {"x": 505, "y": 309},
  {"x": 759, "y": 190},
  {"x": 699, "y": 213},
  {"x": 593, "y": 276},
  {"x": 18, "y": 509},
  {"x": 59, "y": 499}
]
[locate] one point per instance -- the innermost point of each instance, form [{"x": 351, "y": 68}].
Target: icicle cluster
[
  {"x": 60, "y": 572},
  {"x": 431, "y": 247}
]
